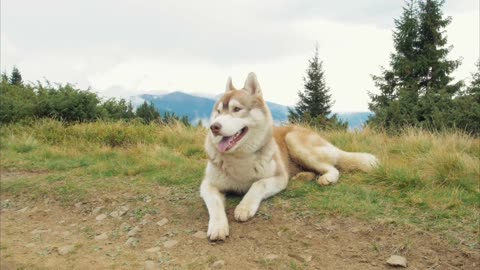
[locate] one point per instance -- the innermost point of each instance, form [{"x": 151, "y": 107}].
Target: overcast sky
[{"x": 126, "y": 48}]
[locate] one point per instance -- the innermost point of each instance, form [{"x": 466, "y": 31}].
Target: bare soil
[{"x": 33, "y": 234}]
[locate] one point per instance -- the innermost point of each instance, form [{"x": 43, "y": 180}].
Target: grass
[{"x": 427, "y": 180}]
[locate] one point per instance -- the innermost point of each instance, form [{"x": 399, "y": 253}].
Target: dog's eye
[{"x": 236, "y": 109}]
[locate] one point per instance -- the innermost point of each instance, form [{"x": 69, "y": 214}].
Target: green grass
[{"x": 427, "y": 180}]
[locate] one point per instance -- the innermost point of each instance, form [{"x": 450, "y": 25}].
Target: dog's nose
[{"x": 215, "y": 127}]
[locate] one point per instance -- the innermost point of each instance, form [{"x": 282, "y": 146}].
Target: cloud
[{"x": 125, "y": 48}]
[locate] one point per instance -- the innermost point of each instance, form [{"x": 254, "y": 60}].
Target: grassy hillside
[{"x": 429, "y": 181}]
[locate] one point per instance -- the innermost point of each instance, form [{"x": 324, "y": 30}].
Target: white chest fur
[{"x": 239, "y": 172}]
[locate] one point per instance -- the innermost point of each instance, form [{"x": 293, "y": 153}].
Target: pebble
[
  {"x": 122, "y": 210},
  {"x": 153, "y": 250},
  {"x": 101, "y": 237},
  {"x": 301, "y": 257},
  {"x": 30, "y": 245},
  {"x": 97, "y": 210},
  {"x": 66, "y": 249},
  {"x": 39, "y": 231},
  {"x": 170, "y": 243},
  {"x": 101, "y": 217},
  {"x": 150, "y": 264},
  {"x": 133, "y": 231},
  {"x": 78, "y": 205},
  {"x": 271, "y": 257},
  {"x": 396, "y": 260},
  {"x": 131, "y": 242},
  {"x": 115, "y": 214},
  {"x": 200, "y": 235},
  {"x": 23, "y": 210},
  {"x": 218, "y": 264},
  {"x": 162, "y": 222}
]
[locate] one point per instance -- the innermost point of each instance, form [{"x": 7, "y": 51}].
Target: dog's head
[{"x": 240, "y": 120}]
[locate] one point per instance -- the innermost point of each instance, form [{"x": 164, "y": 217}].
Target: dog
[{"x": 248, "y": 155}]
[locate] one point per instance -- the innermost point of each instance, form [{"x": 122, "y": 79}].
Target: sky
[{"x": 126, "y": 48}]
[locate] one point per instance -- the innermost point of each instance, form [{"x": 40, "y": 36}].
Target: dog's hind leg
[{"x": 314, "y": 153}]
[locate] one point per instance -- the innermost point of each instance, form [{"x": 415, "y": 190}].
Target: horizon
[{"x": 149, "y": 47}]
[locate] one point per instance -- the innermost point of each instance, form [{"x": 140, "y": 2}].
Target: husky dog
[{"x": 248, "y": 155}]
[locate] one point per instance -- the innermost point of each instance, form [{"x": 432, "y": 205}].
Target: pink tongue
[{"x": 223, "y": 144}]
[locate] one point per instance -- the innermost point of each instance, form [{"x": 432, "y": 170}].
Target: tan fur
[{"x": 264, "y": 159}]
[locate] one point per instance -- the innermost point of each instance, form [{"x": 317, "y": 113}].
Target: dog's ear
[
  {"x": 229, "y": 86},
  {"x": 251, "y": 84}
]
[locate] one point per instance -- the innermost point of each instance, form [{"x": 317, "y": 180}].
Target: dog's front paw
[
  {"x": 244, "y": 211},
  {"x": 217, "y": 230}
]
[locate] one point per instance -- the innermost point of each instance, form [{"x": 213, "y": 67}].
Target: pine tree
[
  {"x": 314, "y": 106},
  {"x": 147, "y": 112},
  {"x": 16, "y": 77},
  {"x": 466, "y": 114},
  {"x": 416, "y": 90},
  {"x": 395, "y": 106},
  {"x": 436, "y": 90}
]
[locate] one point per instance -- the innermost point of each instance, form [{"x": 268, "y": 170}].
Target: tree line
[
  {"x": 20, "y": 101},
  {"x": 416, "y": 90}
]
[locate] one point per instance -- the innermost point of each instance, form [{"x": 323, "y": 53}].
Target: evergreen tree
[
  {"x": 16, "y": 77},
  {"x": 466, "y": 114},
  {"x": 4, "y": 77},
  {"x": 436, "y": 90},
  {"x": 147, "y": 112},
  {"x": 416, "y": 90},
  {"x": 314, "y": 106},
  {"x": 395, "y": 106}
]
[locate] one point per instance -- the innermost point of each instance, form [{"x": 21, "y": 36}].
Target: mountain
[{"x": 199, "y": 107}]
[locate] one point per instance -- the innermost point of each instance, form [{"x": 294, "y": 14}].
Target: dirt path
[{"x": 171, "y": 235}]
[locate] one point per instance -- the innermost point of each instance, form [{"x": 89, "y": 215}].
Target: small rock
[
  {"x": 101, "y": 217},
  {"x": 115, "y": 214},
  {"x": 162, "y": 222},
  {"x": 301, "y": 257},
  {"x": 396, "y": 260},
  {"x": 101, "y": 237},
  {"x": 131, "y": 242},
  {"x": 122, "y": 210},
  {"x": 170, "y": 243},
  {"x": 78, "y": 205},
  {"x": 66, "y": 233},
  {"x": 66, "y": 249},
  {"x": 30, "y": 245},
  {"x": 61, "y": 222},
  {"x": 271, "y": 257},
  {"x": 218, "y": 264},
  {"x": 133, "y": 231},
  {"x": 23, "y": 210},
  {"x": 306, "y": 258},
  {"x": 200, "y": 235},
  {"x": 144, "y": 222},
  {"x": 35, "y": 209},
  {"x": 150, "y": 264},
  {"x": 97, "y": 210},
  {"x": 153, "y": 250},
  {"x": 190, "y": 242},
  {"x": 39, "y": 231},
  {"x": 147, "y": 199}
]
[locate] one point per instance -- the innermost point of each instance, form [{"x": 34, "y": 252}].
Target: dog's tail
[{"x": 356, "y": 161}]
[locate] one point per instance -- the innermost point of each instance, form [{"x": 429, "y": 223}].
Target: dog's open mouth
[{"x": 228, "y": 142}]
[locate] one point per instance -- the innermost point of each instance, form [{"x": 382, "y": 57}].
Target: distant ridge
[{"x": 199, "y": 106}]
